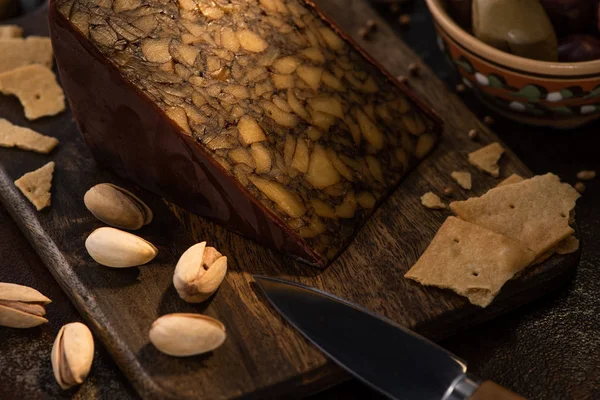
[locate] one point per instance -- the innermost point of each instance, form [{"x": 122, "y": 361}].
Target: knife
[{"x": 393, "y": 360}]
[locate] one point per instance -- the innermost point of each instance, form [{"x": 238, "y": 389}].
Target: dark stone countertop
[{"x": 549, "y": 349}]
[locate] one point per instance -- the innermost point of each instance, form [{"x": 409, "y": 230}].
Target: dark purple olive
[
  {"x": 460, "y": 11},
  {"x": 575, "y": 48},
  {"x": 570, "y": 16}
]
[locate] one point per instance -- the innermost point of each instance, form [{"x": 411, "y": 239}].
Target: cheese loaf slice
[{"x": 258, "y": 115}]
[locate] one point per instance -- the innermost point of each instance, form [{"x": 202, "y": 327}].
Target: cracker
[
  {"x": 543, "y": 257},
  {"x": 534, "y": 212},
  {"x": 462, "y": 178},
  {"x": 568, "y": 245},
  {"x": 514, "y": 178},
  {"x": 25, "y": 138},
  {"x": 10, "y": 31},
  {"x": 486, "y": 158},
  {"x": 431, "y": 200},
  {"x": 35, "y": 185},
  {"x": 36, "y": 87},
  {"x": 18, "y": 52},
  {"x": 472, "y": 261}
]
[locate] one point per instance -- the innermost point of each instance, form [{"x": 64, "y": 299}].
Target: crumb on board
[
  {"x": 463, "y": 179},
  {"x": 486, "y": 158},
  {"x": 432, "y": 201}
]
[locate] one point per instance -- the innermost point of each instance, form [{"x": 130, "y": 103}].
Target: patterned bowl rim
[{"x": 583, "y": 69}]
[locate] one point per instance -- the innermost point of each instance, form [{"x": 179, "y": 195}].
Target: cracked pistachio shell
[
  {"x": 199, "y": 273},
  {"x": 182, "y": 335},
  {"x": 72, "y": 354},
  {"x": 115, "y": 248},
  {"x": 21, "y": 306},
  {"x": 117, "y": 207}
]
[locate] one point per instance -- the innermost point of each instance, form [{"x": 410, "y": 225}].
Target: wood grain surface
[{"x": 262, "y": 357}]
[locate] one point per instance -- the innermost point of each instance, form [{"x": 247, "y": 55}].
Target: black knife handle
[{"x": 489, "y": 390}]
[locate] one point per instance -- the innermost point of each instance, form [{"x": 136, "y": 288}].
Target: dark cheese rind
[{"x": 256, "y": 114}]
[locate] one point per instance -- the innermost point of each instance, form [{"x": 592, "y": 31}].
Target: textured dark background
[{"x": 549, "y": 349}]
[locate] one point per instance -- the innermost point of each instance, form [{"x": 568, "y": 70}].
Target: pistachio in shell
[
  {"x": 119, "y": 249},
  {"x": 117, "y": 207},
  {"x": 183, "y": 335},
  {"x": 72, "y": 354},
  {"x": 21, "y": 306},
  {"x": 199, "y": 273}
]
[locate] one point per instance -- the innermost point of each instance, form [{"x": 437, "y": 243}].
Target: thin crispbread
[
  {"x": 19, "y": 52},
  {"x": 486, "y": 158},
  {"x": 36, "y": 185},
  {"x": 514, "y": 178},
  {"x": 534, "y": 212},
  {"x": 568, "y": 245},
  {"x": 25, "y": 138},
  {"x": 463, "y": 179},
  {"x": 10, "y": 31},
  {"x": 472, "y": 261},
  {"x": 432, "y": 201},
  {"x": 37, "y": 89}
]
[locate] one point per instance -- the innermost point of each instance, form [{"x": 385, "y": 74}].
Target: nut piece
[
  {"x": 183, "y": 335},
  {"x": 580, "y": 187},
  {"x": 586, "y": 175},
  {"x": 117, "y": 207},
  {"x": 199, "y": 273},
  {"x": 115, "y": 248},
  {"x": 72, "y": 354},
  {"x": 21, "y": 306},
  {"x": 251, "y": 42}
]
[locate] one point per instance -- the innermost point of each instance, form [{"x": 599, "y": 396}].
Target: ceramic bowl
[{"x": 555, "y": 94}]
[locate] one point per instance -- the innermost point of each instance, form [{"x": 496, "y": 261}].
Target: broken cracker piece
[
  {"x": 463, "y": 179},
  {"x": 25, "y": 138},
  {"x": 472, "y": 261},
  {"x": 514, "y": 178},
  {"x": 37, "y": 89},
  {"x": 431, "y": 200},
  {"x": 35, "y": 185},
  {"x": 486, "y": 158},
  {"x": 534, "y": 212},
  {"x": 568, "y": 245},
  {"x": 19, "y": 52},
  {"x": 10, "y": 31},
  {"x": 543, "y": 257}
]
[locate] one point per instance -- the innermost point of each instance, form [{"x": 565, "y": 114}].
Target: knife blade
[{"x": 391, "y": 359}]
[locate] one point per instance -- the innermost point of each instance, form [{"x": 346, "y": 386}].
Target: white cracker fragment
[
  {"x": 534, "y": 212},
  {"x": 19, "y": 52},
  {"x": 10, "y": 31},
  {"x": 37, "y": 89},
  {"x": 472, "y": 261},
  {"x": 486, "y": 158},
  {"x": 431, "y": 200},
  {"x": 514, "y": 178},
  {"x": 568, "y": 245},
  {"x": 25, "y": 138},
  {"x": 462, "y": 178},
  {"x": 35, "y": 185}
]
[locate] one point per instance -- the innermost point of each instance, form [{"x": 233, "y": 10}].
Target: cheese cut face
[{"x": 278, "y": 127}]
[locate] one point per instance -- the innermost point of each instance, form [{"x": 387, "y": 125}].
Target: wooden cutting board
[{"x": 263, "y": 356}]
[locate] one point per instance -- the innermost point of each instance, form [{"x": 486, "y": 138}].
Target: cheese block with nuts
[{"x": 257, "y": 114}]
